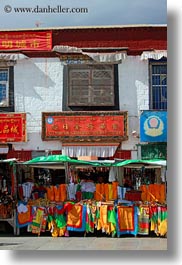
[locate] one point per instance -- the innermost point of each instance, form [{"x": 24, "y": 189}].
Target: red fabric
[{"x": 133, "y": 196}]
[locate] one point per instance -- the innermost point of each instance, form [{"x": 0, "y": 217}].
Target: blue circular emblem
[{"x": 50, "y": 120}]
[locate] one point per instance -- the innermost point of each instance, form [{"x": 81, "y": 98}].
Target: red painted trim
[{"x": 136, "y": 39}]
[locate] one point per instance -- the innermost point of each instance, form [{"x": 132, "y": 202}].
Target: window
[
  {"x": 158, "y": 83},
  {"x": 92, "y": 86},
  {"x": 6, "y": 89}
]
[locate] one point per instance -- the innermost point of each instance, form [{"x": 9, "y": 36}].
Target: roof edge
[{"x": 87, "y": 27}]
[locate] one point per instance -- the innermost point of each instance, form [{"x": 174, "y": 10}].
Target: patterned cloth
[
  {"x": 143, "y": 220},
  {"x": 127, "y": 220},
  {"x": 76, "y": 218}
]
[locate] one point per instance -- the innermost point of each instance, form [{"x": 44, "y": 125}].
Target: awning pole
[{"x": 66, "y": 173}]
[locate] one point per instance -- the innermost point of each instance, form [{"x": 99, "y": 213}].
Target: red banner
[
  {"x": 12, "y": 127},
  {"x": 80, "y": 126},
  {"x": 26, "y": 40}
]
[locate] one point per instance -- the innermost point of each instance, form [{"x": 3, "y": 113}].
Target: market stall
[
  {"x": 92, "y": 198},
  {"x": 8, "y": 193}
]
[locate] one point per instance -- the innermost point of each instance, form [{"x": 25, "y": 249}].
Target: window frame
[
  {"x": 152, "y": 62},
  {"x": 10, "y": 88},
  {"x": 65, "y": 105}
]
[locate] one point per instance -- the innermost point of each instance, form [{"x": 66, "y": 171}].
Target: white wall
[
  {"x": 134, "y": 95},
  {"x": 39, "y": 87}
]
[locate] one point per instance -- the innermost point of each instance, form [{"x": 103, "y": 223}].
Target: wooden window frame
[{"x": 79, "y": 107}]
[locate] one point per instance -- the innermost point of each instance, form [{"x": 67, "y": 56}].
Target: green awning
[{"x": 62, "y": 159}]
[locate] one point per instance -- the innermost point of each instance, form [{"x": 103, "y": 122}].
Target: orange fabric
[
  {"x": 63, "y": 192},
  {"x": 106, "y": 187},
  {"x": 56, "y": 193},
  {"x": 153, "y": 192},
  {"x": 143, "y": 188},
  {"x": 162, "y": 193},
  {"x": 115, "y": 190},
  {"x": 126, "y": 218},
  {"x": 102, "y": 191},
  {"x": 50, "y": 193},
  {"x": 97, "y": 195},
  {"x": 74, "y": 217},
  {"x": 25, "y": 217}
]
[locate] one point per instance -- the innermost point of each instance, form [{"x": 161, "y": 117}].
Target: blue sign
[{"x": 153, "y": 126}]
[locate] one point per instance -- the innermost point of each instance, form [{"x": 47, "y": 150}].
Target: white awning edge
[
  {"x": 101, "y": 57},
  {"x": 66, "y": 49},
  {"x": 99, "y": 151},
  {"x": 12, "y": 56},
  {"x": 156, "y": 55},
  {"x": 109, "y": 57}
]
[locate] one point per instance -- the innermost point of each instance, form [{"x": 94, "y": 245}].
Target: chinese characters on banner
[
  {"x": 84, "y": 127},
  {"x": 26, "y": 40},
  {"x": 12, "y": 127}
]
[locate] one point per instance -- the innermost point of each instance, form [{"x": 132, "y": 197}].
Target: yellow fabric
[
  {"x": 126, "y": 218},
  {"x": 102, "y": 221},
  {"x": 110, "y": 192},
  {"x": 163, "y": 228}
]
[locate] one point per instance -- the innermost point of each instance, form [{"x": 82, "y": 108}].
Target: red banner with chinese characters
[
  {"x": 84, "y": 126},
  {"x": 12, "y": 127},
  {"x": 26, "y": 40}
]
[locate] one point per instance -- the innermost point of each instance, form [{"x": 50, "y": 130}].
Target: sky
[{"x": 61, "y": 13}]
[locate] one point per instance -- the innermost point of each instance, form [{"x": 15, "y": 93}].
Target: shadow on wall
[{"x": 32, "y": 80}]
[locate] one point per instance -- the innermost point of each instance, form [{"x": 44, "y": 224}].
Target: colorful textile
[
  {"x": 76, "y": 218},
  {"x": 91, "y": 218},
  {"x": 24, "y": 218},
  {"x": 127, "y": 220},
  {"x": 37, "y": 221},
  {"x": 143, "y": 220},
  {"x": 111, "y": 218},
  {"x": 107, "y": 219}
]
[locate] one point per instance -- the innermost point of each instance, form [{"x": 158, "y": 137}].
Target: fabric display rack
[
  {"x": 8, "y": 194},
  {"x": 66, "y": 208}
]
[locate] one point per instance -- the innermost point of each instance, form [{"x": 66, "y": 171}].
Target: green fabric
[
  {"x": 87, "y": 195},
  {"x": 50, "y": 218},
  {"x": 111, "y": 217},
  {"x": 60, "y": 221}
]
